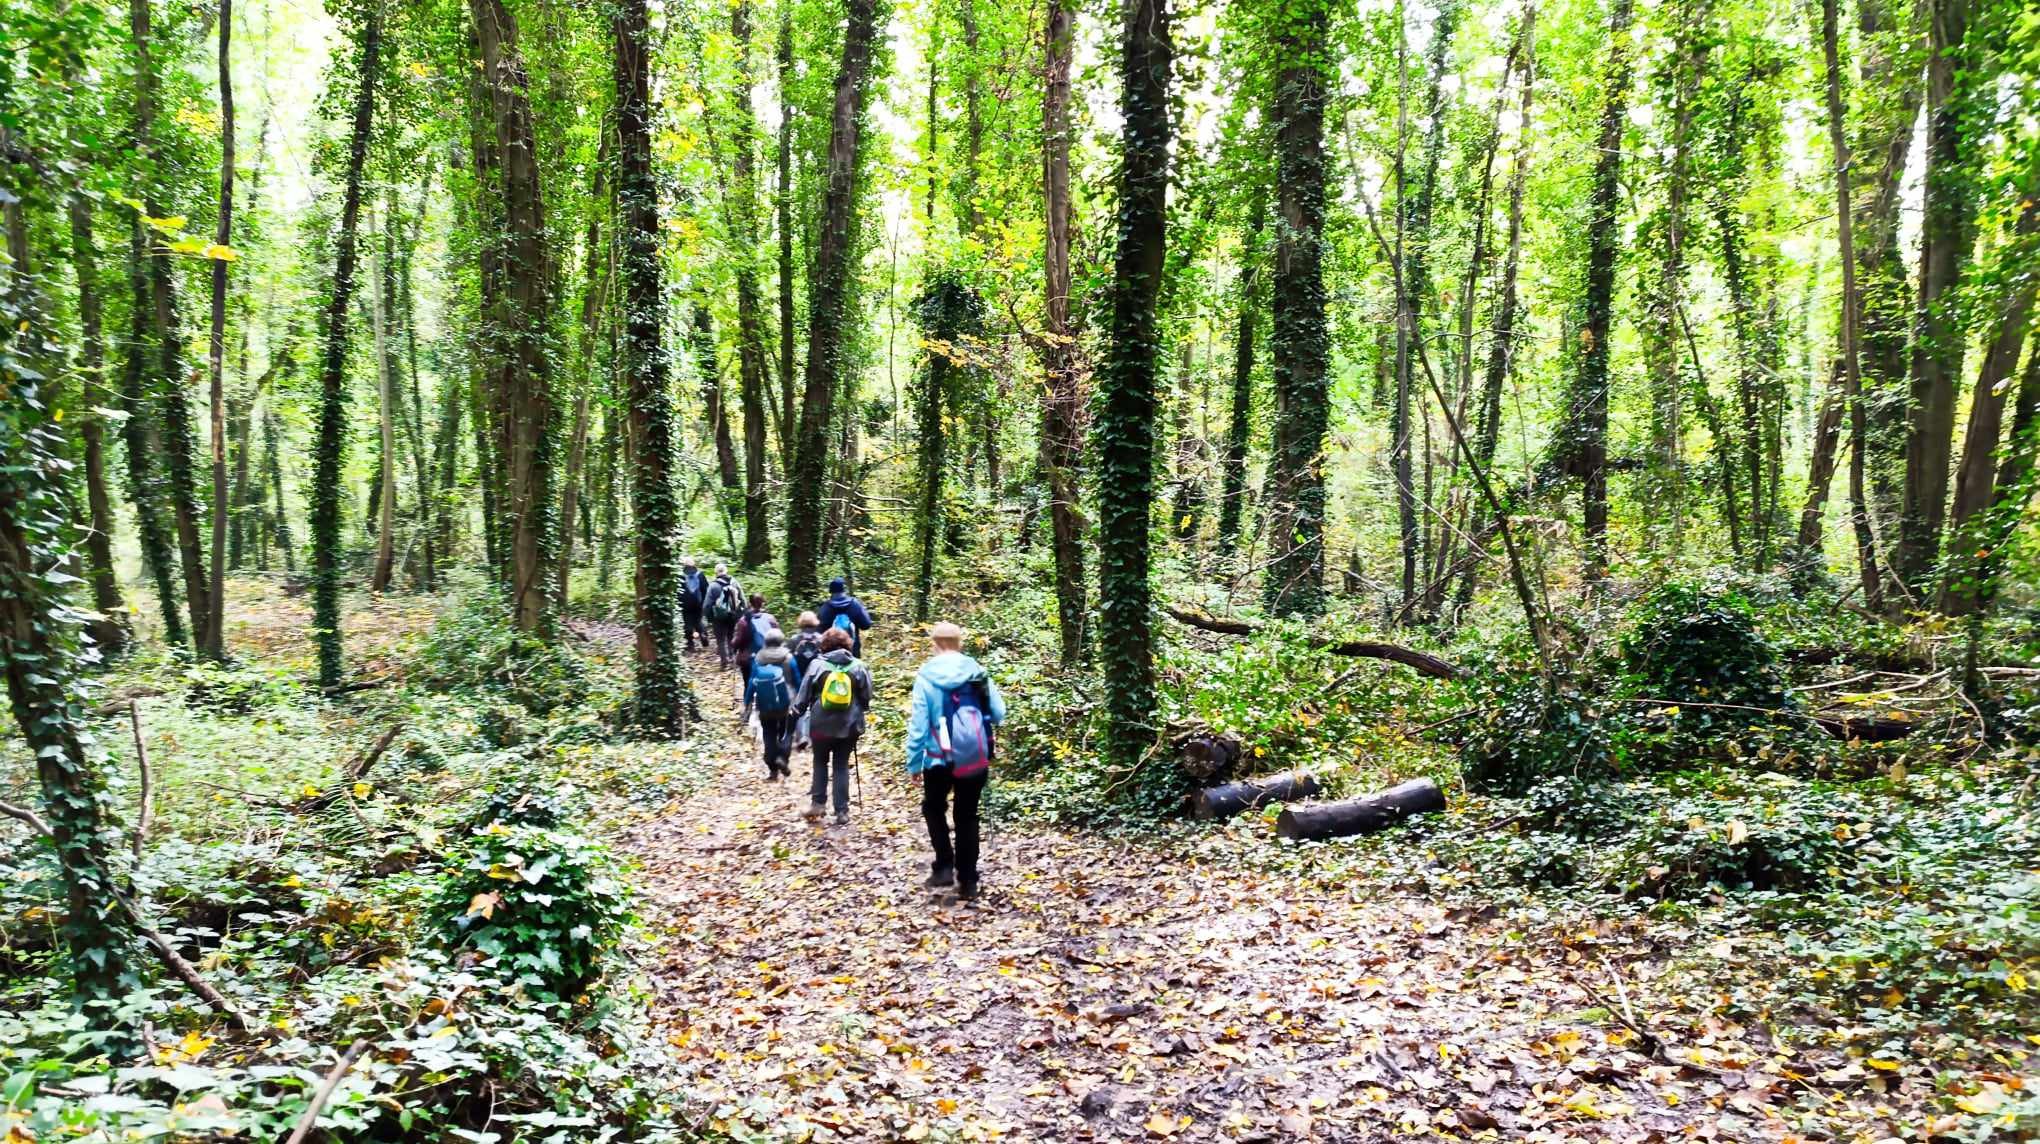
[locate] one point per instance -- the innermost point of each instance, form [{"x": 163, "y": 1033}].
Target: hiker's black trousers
[
  {"x": 832, "y": 755},
  {"x": 725, "y": 631},
  {"x": 936, "y": 785},
  {"x": 777, "y": 731},
  {"x": 690, "y": 615}
]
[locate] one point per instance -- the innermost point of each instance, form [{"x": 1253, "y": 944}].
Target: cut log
[
  {"x": 1235, "y": 798},
  {"x": 1208, "y": 756},
  {"x": 1364, "y": 815},
  {"x": 1424, "y": 663},
  {"x": 1866, "y": 728}
]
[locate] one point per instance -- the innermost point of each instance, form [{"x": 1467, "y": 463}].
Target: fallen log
[
  {"x": 1206, "y": 755},
  {"x": 1424, "y": 663},
  {"x": 1866, "y": 728},
  {"x": 1236, "y": 798},
  {"x": 1364, "y": 815}
]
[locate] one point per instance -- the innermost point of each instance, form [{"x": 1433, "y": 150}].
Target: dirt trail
[{"x": 1101, "y": 991}]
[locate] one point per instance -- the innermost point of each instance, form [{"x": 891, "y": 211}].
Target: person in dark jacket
[
  {"x": 693, "y": 586},
  {"x": 842, "y": 603},
  {"x": 773, "y": 684},
  {"x": 747, "y": 640},
  {"x": 835, "y": 712},
  {"x": 723, "y": 604}
]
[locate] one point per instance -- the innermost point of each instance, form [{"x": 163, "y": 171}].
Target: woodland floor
[{"x": 1102, "y": 990}]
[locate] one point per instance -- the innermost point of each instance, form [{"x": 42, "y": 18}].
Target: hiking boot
[
  {"x": 814, "y": 812},
  {"x": 842, "y": 818},
  {"x": 967, "y": 892},
  {"x": 943, "y": 876}
]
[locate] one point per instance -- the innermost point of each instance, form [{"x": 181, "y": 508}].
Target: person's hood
[
  {"x": 775, "y": 655},
  {"x": 841, "y": 657},
  {"x": 841, "y": 597},
  {"x": 723, "y": 578},
  {"x": 951, "y": 669}
]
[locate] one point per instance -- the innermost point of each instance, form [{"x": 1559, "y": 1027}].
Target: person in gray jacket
[{"x": 834, "y": 696}]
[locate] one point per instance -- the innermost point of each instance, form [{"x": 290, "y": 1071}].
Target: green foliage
[
  {"x": 1522, "y": 729},
  {"x": 1695, "y": 643},
  {"x": 543, "y": 905},
  {"x": 474, "y": 648}
]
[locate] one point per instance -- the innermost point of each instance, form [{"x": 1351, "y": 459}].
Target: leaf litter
[{"x": 1108, "y": 990}]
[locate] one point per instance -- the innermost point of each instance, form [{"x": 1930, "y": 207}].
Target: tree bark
[
  {"x": 216, "y": 357},
  {"x": 752, "y": 366},
  {"x": 386, "y": 418},
  {"x": 1368, "y": 814},
  {"x": 1061, "y": 444},
  {"x": 1583, "y": 444},
  {"x": 1690, "y": 47},
  {"x": 1301, "y": 337},
  {"x": 110, "y": 631},
  {"x": 829, "y": 301},
  {"x": 784, "y": 205},
  {"x": 333, "y": 369},
  {"x": 660, "y": 695},
  {"x": 1225, "y": 801},
  {"x": 1126, "y": 406},
  {"x": 523, "y": 375},
  {"x": 1240, "y": 429},
  {"x": 1945, "y": 235}
]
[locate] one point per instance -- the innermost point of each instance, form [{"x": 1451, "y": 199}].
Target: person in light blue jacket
[{"x": 947, "y": 679}]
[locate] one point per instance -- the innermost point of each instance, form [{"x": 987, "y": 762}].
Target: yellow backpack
[{"x": 838, "y": 690}]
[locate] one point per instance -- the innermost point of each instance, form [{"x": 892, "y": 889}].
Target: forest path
[{"x": 1098, "y": 991}]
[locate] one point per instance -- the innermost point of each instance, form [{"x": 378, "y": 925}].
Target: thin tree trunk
[
  {"x": 1691, "y": 43},
  {"x": 386, "y": 412},
  {"x": 783, "y": 203},
  {"x": 1126, "y": 408},
  {"x": 1821, "y": 467},
  {"x": 1061, "y": 445},
  {"x": 215, "y": 643},
  {"x": 1301, "y": 337},
  {"x": 1240, "y": 428},
  {"x": 273, "y": 469},
  {"x": 593, "y": 297},
  {"x": 110, "y": 629},
  {"x": 829, "y": 300},
  {"x": 333, "y": 370},
  {"x": 1584, "y": 442},
  {"x": 752, "y": 367}
]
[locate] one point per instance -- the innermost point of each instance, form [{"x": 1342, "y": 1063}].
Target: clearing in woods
[{"x": 1102, "y": 990}]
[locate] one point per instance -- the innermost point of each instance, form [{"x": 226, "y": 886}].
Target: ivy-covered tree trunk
[
  {"x": 829, "y": 301},
  {"x": 38, "y": 648},
  {"x": 1946, "y": 227},
  {"x": 216, "y": 355},
  {"x": 1062, "y": 442},
  {"x": 1665, "y": 294},
  {"x": 1889, "y": 87},
  {"x": 1301, "y": 337},
  {"x": 1846, "y": 391},
  {"x": 385, "y": 505},
  {"x": 949, "y": 311},
  {"x": 521, "y": 327},
  {"x": 752, "y": 366},
  {"x": 783, "y": 203},
  {"x": 110, "y": 631},
  {"x": 716, "y": 410},
  {"x": 272, "y": 466},
  {"x": 1240, "y": 426},
  {"x": 1126, "y": 406},
  {"x": 594, "y": 290},
  {"x": 332, "y": 439},
  {"x": 1583, "y": 442},
  {"x": 446, "y": 453},
  {"x": 660, "y": 699}
]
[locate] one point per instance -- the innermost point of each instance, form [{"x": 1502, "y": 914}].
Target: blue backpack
[
  {"x": 769, "y": 690},
  {"x": 843, "y": 623},
  {"x": 964, "y": 736}
]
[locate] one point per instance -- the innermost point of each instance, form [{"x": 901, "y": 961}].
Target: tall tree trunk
[
  {"x": 333, "y": 369},
  {"x": 272, "y": 466},
  {"x": 37, "y": 649},
  {"x": 1687, "y": 65},
  {"x": 1945, "y": 235},
  {"x": 829, "y": 301},
  {"x": 715, "y": 408},
  {"x": 570, "y": 495},
  {"x": 1061, "y": 445},
  {"x": 660, "y": 698},
  {"x": 1240, "y": 428},
  {"x": 1301, "y": 338},
  {"x": 783, "y": 203},
  {"x": 524, "y": 365},
  {"x": 2012, "y": 488},
  {"x": 110, "y": 629},
  {"x": 752, "y": 366},
  {"x": 215, "y": 644},
  {"x": 1890, "y": 84},
  {"x": 447, "y": 454},
  {"x": 1584, "y": 432},
  {"x": 1848, "y": 391},
  {"x": 592, "y": 317},
  {"x": 386, "y": 416},
  {"x": 1126, "y": 407},
  {"x": 1975, "y": 479}
]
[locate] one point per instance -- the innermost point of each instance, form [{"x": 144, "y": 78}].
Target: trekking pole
[{"x": 857, "y": 773}]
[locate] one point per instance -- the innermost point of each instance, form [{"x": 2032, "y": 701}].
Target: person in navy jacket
[{"x": 842, "y": 603}]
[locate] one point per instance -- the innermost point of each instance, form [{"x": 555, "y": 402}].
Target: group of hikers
[{"x": 812, "y": 690}]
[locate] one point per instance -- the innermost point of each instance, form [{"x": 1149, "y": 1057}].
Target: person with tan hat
[{"x": 956, "y": 707}]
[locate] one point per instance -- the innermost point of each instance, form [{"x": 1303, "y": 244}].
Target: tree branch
[{"x": 1424, "y": 663}]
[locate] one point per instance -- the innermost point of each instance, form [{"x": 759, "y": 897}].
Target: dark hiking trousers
[
  {"x": 936, "y": 784},
  {"x": 725, "y": 634},
  {"x": 690, "y": 615},
  {"x": 778, "y": 732},
  {"x": 832, "y": 755}
]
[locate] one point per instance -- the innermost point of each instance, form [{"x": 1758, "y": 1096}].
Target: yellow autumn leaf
[
  {"x": 220, "y": 253},
  {"x": 1163, "y": 1124},
  {"x": 484, "y": 904},
  {"x": 2015, "y": 981},
  {"x": 503, "y": 873},
  {"x": 167, "y": 225},
  {"x": 361, "y": 790},
  {"x": 1882, "y": 1064}
]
